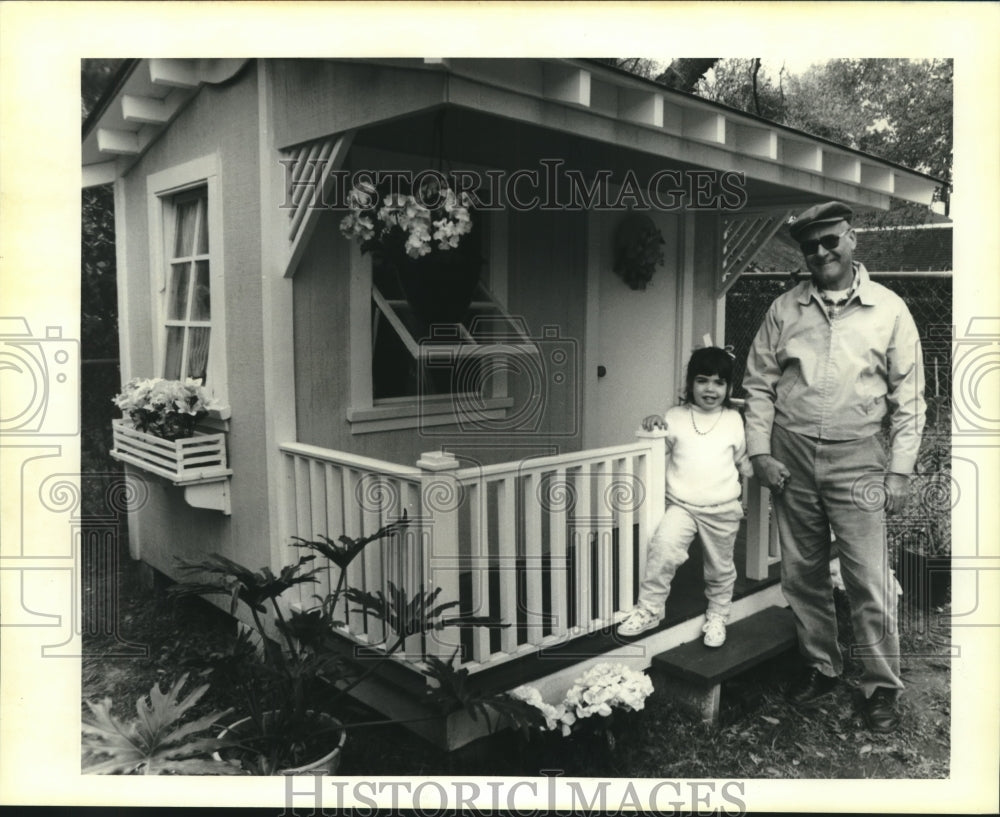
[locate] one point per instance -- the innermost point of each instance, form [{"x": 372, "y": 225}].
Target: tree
[
  {"x": 680, "y": 74},
  {"x": 898, "y": 110},
  {"x": 95, "y": 77},
  {"x": 98, "y": 318}
]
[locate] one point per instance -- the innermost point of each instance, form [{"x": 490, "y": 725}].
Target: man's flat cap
[{"x": 826, "y": 213}]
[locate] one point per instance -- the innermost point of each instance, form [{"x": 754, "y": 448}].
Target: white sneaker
[
  {"x": 638, "y": 621},
  {"x": 714, "y": 629}
]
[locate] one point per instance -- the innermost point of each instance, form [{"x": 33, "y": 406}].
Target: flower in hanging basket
[
  {"x": 638, "y": 250},
  {"x": 435, "y": 218},
  {"x": 165, "y": 408}
]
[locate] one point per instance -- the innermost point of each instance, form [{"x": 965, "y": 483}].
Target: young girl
[{"x": 706, "y": 452}]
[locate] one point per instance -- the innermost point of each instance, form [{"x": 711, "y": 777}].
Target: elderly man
[{"x": 833, "y": 356}]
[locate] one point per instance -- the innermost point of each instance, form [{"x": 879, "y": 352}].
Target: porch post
[
  {"x": 760, "y": 531},
  {"x": 440, "y": 501},
  {"x": 651, "y": 474}
]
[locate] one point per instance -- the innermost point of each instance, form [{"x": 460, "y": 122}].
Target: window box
[{"x": 198, "y": 463}]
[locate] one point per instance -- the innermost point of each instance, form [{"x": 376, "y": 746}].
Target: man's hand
[
  {"x": 653, "y": 421},
  {"x": 897, "y": 486},
  {"x": 770, "y": 472}
]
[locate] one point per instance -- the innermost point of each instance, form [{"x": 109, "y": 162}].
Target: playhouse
[{"x": 506, "y": 431}]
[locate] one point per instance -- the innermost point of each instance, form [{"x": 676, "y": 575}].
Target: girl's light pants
[{"x": 716, "y": 526}]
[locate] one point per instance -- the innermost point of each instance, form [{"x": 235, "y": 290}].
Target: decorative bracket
[
  {"x": 744, "y": 234},
  {"x": 212, "y": 495}
]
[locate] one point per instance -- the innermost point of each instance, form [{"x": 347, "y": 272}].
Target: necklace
[{"x": 695, "y": 425}]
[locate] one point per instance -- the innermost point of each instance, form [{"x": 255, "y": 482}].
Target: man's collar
[{"x": 860, "y": 285}]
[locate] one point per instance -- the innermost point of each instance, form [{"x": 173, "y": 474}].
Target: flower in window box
[{"x": 165, "y": 408}]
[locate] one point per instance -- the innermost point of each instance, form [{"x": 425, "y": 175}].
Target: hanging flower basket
[
  {"x": 419, "y": 239},
  {"x": 638, "y": 250}
]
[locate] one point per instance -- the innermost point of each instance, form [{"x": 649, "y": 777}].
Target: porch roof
[{"x": 567, "y": 96}]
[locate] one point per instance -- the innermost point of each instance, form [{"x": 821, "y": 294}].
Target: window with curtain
[{"x": 188, "y": 317}]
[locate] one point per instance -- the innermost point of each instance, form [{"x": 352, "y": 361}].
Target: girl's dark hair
[{"x": 709, "y": 361}]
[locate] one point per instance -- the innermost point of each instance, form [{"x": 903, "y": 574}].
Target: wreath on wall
[{"x": 638, "y": 250}]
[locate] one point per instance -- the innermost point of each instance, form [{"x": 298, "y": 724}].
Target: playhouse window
[
  {"x": 186, "y": 273},
  {"x": 410, "y": 360},
  {"x": 410, "y": 367},
  {"x": 188, "y": 320}
]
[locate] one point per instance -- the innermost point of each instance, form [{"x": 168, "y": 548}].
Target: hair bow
[{"x": 729, "y": 350}]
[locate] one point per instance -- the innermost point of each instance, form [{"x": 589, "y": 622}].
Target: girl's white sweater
[{"x": 704, "y": 469}]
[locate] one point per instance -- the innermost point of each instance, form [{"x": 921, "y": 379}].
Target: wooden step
[{"x": 698, "y": 671}]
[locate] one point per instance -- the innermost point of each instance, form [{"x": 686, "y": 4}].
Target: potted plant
[
  {"x": 295, "y": 692},
  {"x": 420, "y": 239},
  {"x": 169, "y": 409}
]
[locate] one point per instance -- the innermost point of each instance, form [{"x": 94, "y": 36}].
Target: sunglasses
[{"x": 829, "y": 242}]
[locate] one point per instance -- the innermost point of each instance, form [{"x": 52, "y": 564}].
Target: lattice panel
[
  {"x": 309, "y": 165},
  {"x": 743, "y": 236}
]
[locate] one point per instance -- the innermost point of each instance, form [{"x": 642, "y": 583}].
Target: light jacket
[{"x": 836, "y": 379}]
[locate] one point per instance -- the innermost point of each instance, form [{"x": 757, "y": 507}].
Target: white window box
[{"x": 198, "y": 463}]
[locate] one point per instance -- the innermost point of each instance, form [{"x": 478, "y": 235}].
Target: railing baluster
[
  {"x": 334, "y": 525},
  {"x": 604, "y": 520},
  {"x": 412, "y": 559},
  {"x": 303, "y": 514},
  {"x": 507, "y": 562},
  {"x": 316, "y": 524},
  {"x": 556, "y": 495},
  {"x": 623, "y": 516},
  {"x": 478, "y": 567},
  {"x": 353, "y": 527},
  {"x": 370, "y": 488},
  {"x": 582, "y": 527},
  {"x": 532, "y": 556}
]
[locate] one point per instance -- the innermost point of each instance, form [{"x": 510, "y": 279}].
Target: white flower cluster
[
  {"x": 446, "y": 223},
  {"x": 605, "y": 686},
  {"x": 155, "y": 404},
  {"x": 555, "y": 716},
  {"x": 600, "y": 690}
]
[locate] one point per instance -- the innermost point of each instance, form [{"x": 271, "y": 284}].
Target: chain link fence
[{"x": 928, "y": 297}]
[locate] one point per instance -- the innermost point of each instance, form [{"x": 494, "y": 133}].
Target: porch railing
[{"x": 553, "y": 546}]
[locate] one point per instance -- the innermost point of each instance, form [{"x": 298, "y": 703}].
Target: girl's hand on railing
[{"x": 653, "y": 421}]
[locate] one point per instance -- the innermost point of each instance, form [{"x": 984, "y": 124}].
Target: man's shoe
[
  {"x": 810, "y": 687},
  {"x": 880, "y": 710}
]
